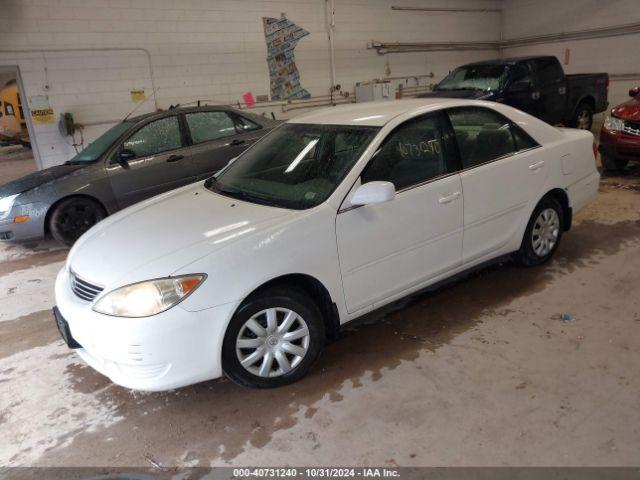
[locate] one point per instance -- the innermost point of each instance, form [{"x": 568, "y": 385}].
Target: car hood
[
  {"x": 470, "y": 94},
  {"x": 37, "y": 179},
  {"x": 630, "y": 110},
  {"x": 158, "y": 236}
]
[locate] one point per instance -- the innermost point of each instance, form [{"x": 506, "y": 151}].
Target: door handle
[
  {"x": 175, "y": 158},
  {"x": 237, "y": 141},
  {"x": 536, "y": 166},
  {"x": 448, "y": 198}
]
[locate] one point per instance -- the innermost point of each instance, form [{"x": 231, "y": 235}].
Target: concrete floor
[{"x": 482, "y": 372}]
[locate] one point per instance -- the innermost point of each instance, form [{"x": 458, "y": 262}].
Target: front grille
[
  {"x": 83, "y": 289},
  {"x": 632, "y": 128}
]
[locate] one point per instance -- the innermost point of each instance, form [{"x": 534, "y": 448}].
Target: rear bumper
[
  {"x": 619, "y": 145},
  {"x": 583, "y": 191},
  {"x": 169, "y": 350}
]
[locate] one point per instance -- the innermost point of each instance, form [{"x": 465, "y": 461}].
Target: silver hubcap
[
  {"x": 272, "y": 342},
  {"x": 583, "y": 120},
  {"x": 545, "y": 232}
]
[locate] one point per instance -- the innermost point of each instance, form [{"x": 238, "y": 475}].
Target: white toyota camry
[{"x": 331, "y": 215}]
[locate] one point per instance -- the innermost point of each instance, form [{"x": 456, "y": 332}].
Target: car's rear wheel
[
  {"x": 583, "y": 117},
  {"x": 613, "y": 164},
  {"x": 72, "y": 217},
  {"x": 543, "y": 233},
  {"x": 273, "y": 339}
]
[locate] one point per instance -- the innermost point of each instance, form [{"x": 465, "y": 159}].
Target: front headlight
[
  {"x": 148, "y": 298},
  {"x": 614, "y": 124},
  {"x": 6, "y": 203}
]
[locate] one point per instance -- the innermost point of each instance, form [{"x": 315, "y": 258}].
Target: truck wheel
[
  {"x": 74, "y": 216},
  {"x": 583, "y": 117},
  {"x": 613, "y": 164}
]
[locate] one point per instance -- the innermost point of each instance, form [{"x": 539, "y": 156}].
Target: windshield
[
  {"x": 475, "y": 77},
  {"x": 296, "y": 166},
  {"x": 95, "y": 149}
]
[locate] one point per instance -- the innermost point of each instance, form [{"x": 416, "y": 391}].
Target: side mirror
[
  {"x": 125, "y": 155},
  {"x": 634, "y": 92},
  {"x": 373, "y": 192}
]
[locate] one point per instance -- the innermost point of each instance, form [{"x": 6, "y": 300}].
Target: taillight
[
  {"x": 607, "y": 84},
  {"x": 595, "y": 150}
]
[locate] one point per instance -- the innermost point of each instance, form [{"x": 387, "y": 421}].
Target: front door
[
  {"x": 386, "y": 249},
  {"x": 502, "y": 171},
  {"x": 159, "y": 162},
  {"x": 551, "y": 84}
]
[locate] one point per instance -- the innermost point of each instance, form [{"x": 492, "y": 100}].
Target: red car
[{"x": 620, "y": 134}]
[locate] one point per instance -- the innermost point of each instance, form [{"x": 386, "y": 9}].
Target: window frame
[
  {"x": 512, "y": 125},
  {"x": 228, "y": 113},
  {"x": 540, "y": 64},
  {"x": 237, "y": 118},
  {"x": 127, "y": 135},
  {"x": 452, "y": 155}
]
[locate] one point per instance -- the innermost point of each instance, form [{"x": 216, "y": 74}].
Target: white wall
[
  {"x": 616, "y": 55},
  {"x": 208, "y": 49}
]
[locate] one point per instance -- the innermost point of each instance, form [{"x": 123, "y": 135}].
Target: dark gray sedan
[{"x": 136, "y": 159}]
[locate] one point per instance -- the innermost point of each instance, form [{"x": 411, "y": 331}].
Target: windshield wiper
[{"x": 249, "y": 197}]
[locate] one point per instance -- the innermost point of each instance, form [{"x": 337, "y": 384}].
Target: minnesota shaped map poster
[{"x": 282, "y": 36}]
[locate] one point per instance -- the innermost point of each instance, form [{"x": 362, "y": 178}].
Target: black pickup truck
[{"x": 536, "y": 85}]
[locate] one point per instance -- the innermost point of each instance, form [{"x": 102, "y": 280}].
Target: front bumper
[
  {"x": 619, "y": 145},
  {"x": 33, "y": 228},
  {"x": 172, "y": 349}
]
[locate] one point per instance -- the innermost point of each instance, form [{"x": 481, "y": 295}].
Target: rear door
[
  {"x": 160, "y": 162},
  {"x": 218, "y": 136},
  {"x": 551, "y": 85},
  {"x": 501, "y": 174}
]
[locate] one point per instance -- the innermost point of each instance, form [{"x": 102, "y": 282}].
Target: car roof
[
  {"x": 173, "y": 111},
  {"x": 508, "y": 60},
  {"x": 374, "y": 114}
]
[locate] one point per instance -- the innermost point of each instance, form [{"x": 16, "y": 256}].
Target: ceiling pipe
[
  {"x": 603, "y": 32},
  {"x": 448, "y": 10}
]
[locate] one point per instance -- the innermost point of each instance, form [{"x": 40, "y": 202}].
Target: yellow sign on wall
[
  {"x": 138, "y": 96},
  {"x": 43, "y": 115}
]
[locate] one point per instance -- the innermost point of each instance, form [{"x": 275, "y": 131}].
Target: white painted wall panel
[
  {"x": 210, "y": 49},
  {"x": 616, "y": 55}
]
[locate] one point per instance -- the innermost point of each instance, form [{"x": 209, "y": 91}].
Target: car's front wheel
[
  {"x": 543, "y": 233},
  {"x": 74, "y": 216},
  {"x": 273, "y": 339},
  {"x": 612, "y": 164}
]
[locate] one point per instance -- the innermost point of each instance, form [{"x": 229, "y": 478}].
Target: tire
[
  {"x": 72, "y": 217},
  {"x": 583, "y": 117},
  {"x": 530, "y": 252},
  {"x": 612, "y": 164},
  {"x": 268, "y": 345}
]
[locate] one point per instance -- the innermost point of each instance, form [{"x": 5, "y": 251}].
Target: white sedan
[{"x": 330, "y": 216}]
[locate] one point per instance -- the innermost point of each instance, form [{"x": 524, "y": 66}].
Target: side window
[
  {"x": 8, "y": 109},
  {"x": 482, "y": 135},
  {"x": 521, "y": 76},
  {"x": 522, "y": 138},
  {"x": 206, "y": 126},
  {"x": 413, "y": 153},
  {"x": 247, "y": 125},
  {"x": 156, "y": 137},
  {"x": 548, "y": 71}
]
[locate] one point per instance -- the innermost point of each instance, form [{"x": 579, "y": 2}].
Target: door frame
[{"x": 15, "y": 69}]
